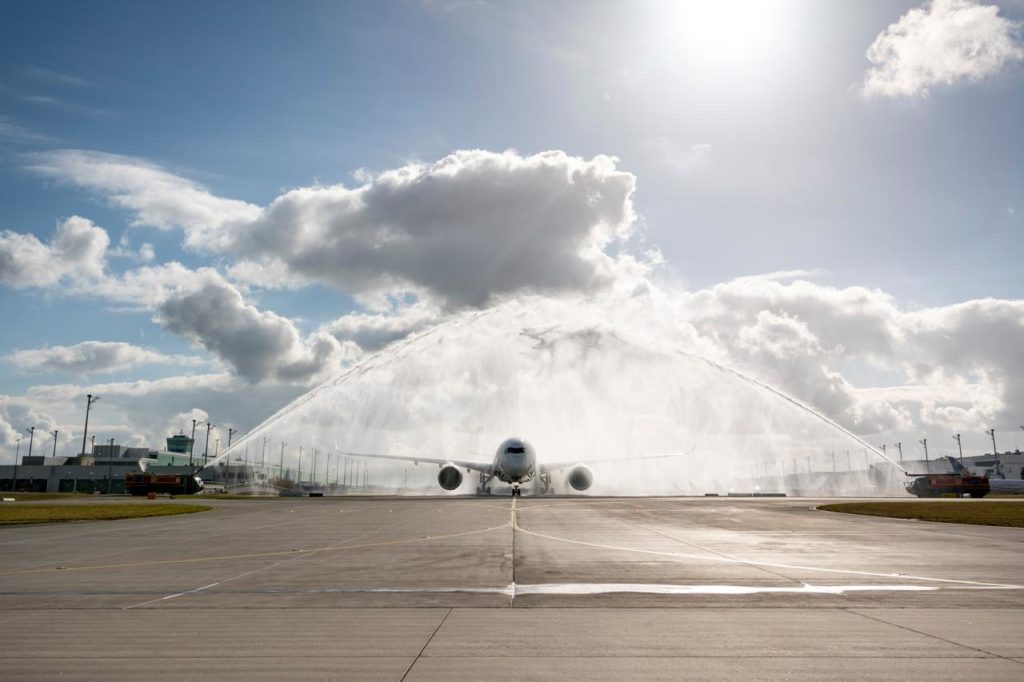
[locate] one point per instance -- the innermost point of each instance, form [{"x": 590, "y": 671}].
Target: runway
[{"x": 534, "y": 588}]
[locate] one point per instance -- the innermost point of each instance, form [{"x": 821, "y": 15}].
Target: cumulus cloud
[
  {"x": 462, "y": 229},
  {"x": 421, "y": 242},
  {"x": 941, "y": 43},
  {"x": 951, "y": 366},
  {"x": 144, "y": 411},
  {"x": 259, "y": 345},
  {"x": 77, "y": 251},
  {"x": 18, "y": 414},
  {"x": 92, "y": 357}
]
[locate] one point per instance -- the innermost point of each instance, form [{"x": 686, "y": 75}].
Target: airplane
[
  {"x": 1002, "y": 486},
  {"x": 515, "y": 462}
]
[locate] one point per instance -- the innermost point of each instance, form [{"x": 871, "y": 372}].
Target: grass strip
[
  {"x": 976, "y": 512},
  {"x": 30, "y": 497},
  {"x": 51, "y": 513}
]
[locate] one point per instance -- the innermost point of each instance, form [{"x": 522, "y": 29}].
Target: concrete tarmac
[{"x": 534, "y": 588}]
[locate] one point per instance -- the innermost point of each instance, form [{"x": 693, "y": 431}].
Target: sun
[{"x": 723, "y": 33}]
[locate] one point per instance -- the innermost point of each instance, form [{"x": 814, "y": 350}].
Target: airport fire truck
[
  {"x": 936, "y": 485},
  {"x": 143, "y": 483}
]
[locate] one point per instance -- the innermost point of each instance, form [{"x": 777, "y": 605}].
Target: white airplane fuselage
[{"x": 515, "y": 461}]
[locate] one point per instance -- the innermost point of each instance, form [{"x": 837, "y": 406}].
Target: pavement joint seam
[
  {"x": 931, "y": 636},
  {"x": 426, "y": 644}
]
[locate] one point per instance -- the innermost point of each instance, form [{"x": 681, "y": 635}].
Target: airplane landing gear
[
  {"x": 544, "y": 483},
  {"x": 516, "y": 491},
  {"x": 484, "y": 488}
]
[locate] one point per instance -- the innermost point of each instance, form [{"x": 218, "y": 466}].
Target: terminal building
[
  {"x": 101, "y": 471},
  {"x": 104, "y": 471}
]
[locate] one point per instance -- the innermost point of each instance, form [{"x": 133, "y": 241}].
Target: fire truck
[
  {"x": 936, "y": 485},
  {"x": 144, "y": 482}
]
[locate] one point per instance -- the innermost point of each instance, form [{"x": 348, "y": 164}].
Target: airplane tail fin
[{"x": 958, "y": 468}]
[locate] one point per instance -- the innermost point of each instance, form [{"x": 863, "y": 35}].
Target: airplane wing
[
  {"x": 556, "y": 466},
  {"x": 415, "y": 459}
]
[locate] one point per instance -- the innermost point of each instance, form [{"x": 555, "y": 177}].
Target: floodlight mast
[
  {"x": 89, "y": 400},
  {"x": 192, "y": 447},
  {"x": 206, "y": 450},
  {"x": 995, "y": 453}
]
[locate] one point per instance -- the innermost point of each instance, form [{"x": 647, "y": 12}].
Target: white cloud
[
  {"x": 372, "y": 331},
  {"x": 460, "y": 230},
  {"x": 93, "y": 357},
  {"x": 960, "y": 364},
  {"x": 140, "y": 411},
  {"x": 144, "y": 254},
  {"x": 77, "y": 251},
  {"x": 419, "y": 243},
  {"x": 156, "y": 197},
  {"x": 11, "y": 131},
  {"x": 259, "y": 345},
  {"x": 18, "y": 414},
  {"x": 942, "y": 43}
]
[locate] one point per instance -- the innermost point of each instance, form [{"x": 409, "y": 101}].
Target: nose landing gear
[{"x": 516, "y": 492}]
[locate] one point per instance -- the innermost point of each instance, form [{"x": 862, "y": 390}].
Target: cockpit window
[{"x": 516, "y": 450}]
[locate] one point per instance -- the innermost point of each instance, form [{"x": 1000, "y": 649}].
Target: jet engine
[
  {"x": 581, "y": 477},
  {"x": 449, "y": 477}
]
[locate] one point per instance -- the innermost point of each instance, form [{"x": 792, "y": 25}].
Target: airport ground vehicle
[
  {"x": 143, "y": 483},
  {"x": 935, "y": 485}
]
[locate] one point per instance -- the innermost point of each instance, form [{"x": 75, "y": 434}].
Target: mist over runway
[
  {"x": 597, "y": 588},
  {"x": 601, "y": 381}
]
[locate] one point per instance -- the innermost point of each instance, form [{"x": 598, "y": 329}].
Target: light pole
[
  {"x": 995, "y": 452},
  {"x": 192, "y": 447},
  {"x": 280, "y": 469},
  {"x": 299, "y": 475},
  {"x": 231, "y": 432},
  {"x": 263, "y": 455},
  {"x": 206, "y": 450},
  {"x": 899, "y": 446},
  {"x": 927, "y": 464},
  {"x": 89, "y": 400},
  {"x": 959, "y": 447},
  {"x": 92, "y": 445},
  {"x": 110, "y": 467},
  {"x": 31, "y": 437},
  {"x": 17, "y": 456},
  {"x": 55, "y": 432}
]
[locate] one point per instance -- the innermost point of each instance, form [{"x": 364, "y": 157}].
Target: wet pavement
[{"x": 536, "y": 588}]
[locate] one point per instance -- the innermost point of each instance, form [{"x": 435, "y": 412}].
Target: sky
[{"x": 206, "y": 209}]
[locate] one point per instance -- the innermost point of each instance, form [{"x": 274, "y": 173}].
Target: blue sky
[{"x": 753, "y": 141}]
